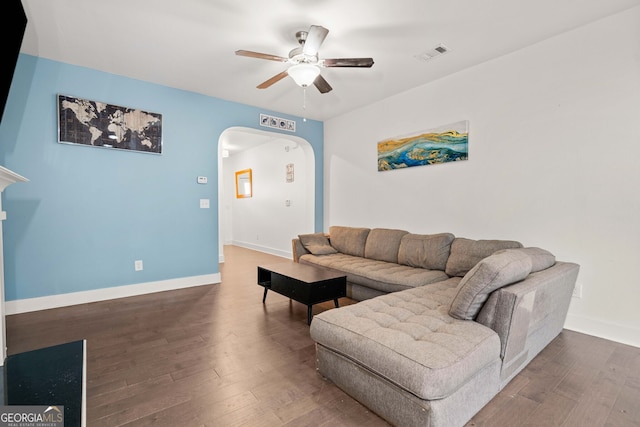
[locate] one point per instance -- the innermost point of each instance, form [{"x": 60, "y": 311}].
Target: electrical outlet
[
  {"x": 577, "y": 290},
  {"x": 137, "y": 265}
]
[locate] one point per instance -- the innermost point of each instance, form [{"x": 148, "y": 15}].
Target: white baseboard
[
  {"x": 104, "y": 294},
  {"x": 601, "y": 329},
  {"x": 272, "y": 251}
]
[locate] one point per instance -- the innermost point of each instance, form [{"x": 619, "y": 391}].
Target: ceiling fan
[{"x": 305, "y": 64}]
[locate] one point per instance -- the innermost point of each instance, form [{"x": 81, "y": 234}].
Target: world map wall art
[
  {"x": 98, "y": 124},
  {"x": 449, "y": 143}
]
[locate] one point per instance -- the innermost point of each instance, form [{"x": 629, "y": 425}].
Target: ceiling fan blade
[
  {"x": 322, "y": 84},
  {"x": 273, "y": 80},
  {"x": 315, "y": 37},
  {"x": 348, "y": 62},
  {"x": 261, "y": 55}
]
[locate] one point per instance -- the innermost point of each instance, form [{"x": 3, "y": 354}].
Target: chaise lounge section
[{"x": 432, "y": 348}]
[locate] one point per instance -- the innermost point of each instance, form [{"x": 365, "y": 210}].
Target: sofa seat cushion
[
  {"x": 409, "y": 339},
  {"x": 379, "y": 275}
]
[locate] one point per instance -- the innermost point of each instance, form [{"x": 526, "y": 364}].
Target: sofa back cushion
[
  {"x": 540, "y": 259},
  {"x": 383, "y": 243},
  {"x": 429, "y": 251},
  {"x": 466, "y": 253},
  {"x": 348, "y": 240},
  {"x": 491, "y": 273}
]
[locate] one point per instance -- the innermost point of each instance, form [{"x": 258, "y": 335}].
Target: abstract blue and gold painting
[{"x": 448, "y": 143}]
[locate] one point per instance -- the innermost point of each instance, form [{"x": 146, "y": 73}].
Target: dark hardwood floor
[{"x": 216, "y": 356}]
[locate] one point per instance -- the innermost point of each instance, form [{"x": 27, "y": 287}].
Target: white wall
[
  {"x": 554, "y": 145},
  {"x": 264, "y": 222}
]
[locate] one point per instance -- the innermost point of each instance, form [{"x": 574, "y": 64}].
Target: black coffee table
[{"x": 303, "y": 283}]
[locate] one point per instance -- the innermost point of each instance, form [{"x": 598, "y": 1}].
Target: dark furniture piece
[
  {"x": 53, "y": 375},
  {"x": 303, "y": 283},
  {"x": 14, "y": 19}
]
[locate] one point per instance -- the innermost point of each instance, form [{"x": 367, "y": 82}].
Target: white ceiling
[{"x": 190, "y": 44}]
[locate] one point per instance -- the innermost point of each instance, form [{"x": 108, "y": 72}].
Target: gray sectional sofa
[{"x": 443, "y": 323}]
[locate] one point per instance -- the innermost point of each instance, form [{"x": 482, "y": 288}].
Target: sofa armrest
[
  {"x": 529, "y": 314},
  {"x": 297, "y": 249}
]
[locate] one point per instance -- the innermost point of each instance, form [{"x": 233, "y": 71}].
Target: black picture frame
[{"x": 98, "y": 124}]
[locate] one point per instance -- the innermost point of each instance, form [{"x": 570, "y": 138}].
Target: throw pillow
[
  {"x": 491, "y": 273},
  {"x": 317, "y": 244},
  {"x": 429, "y": 251}
]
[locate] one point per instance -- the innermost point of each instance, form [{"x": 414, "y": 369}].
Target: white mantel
[{"x": 7, "y": 178}]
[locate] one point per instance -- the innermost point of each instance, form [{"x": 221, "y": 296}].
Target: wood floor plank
[
  {"x": 486, "y": 414},
  {"x": 576, "y": 382},
  {"x": 595, "y": 405},
  {"x": 214, "y": 355},
  {"x": 626, "y": 410},
  {"x": 542, "y": 385},
  {"x": 554, "y": 410},
  {"x": 515, "y": 413},
  {"x": 124, "y": 392}
]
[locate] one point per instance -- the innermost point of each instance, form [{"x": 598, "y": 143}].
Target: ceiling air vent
[{"x": 432, "y": 53}]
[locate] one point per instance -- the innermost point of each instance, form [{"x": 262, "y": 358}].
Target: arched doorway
[{"x": 283, "y": 198}]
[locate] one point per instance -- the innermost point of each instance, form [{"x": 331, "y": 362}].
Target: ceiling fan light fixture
[{"x": 304, "y": 74}]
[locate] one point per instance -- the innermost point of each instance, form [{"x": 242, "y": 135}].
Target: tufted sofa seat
[
  {"x": 379, "y": 275},
  {"x": 443, "y": 322},
  {"x": 408, "y": 338}
]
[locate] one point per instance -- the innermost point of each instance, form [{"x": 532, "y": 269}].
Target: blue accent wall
[{"x": 87, "y": 213}]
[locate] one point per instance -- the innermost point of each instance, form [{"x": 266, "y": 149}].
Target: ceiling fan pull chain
[
  {"x": 304, "y": 101},
  {"x": 304, "y": 98}
]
